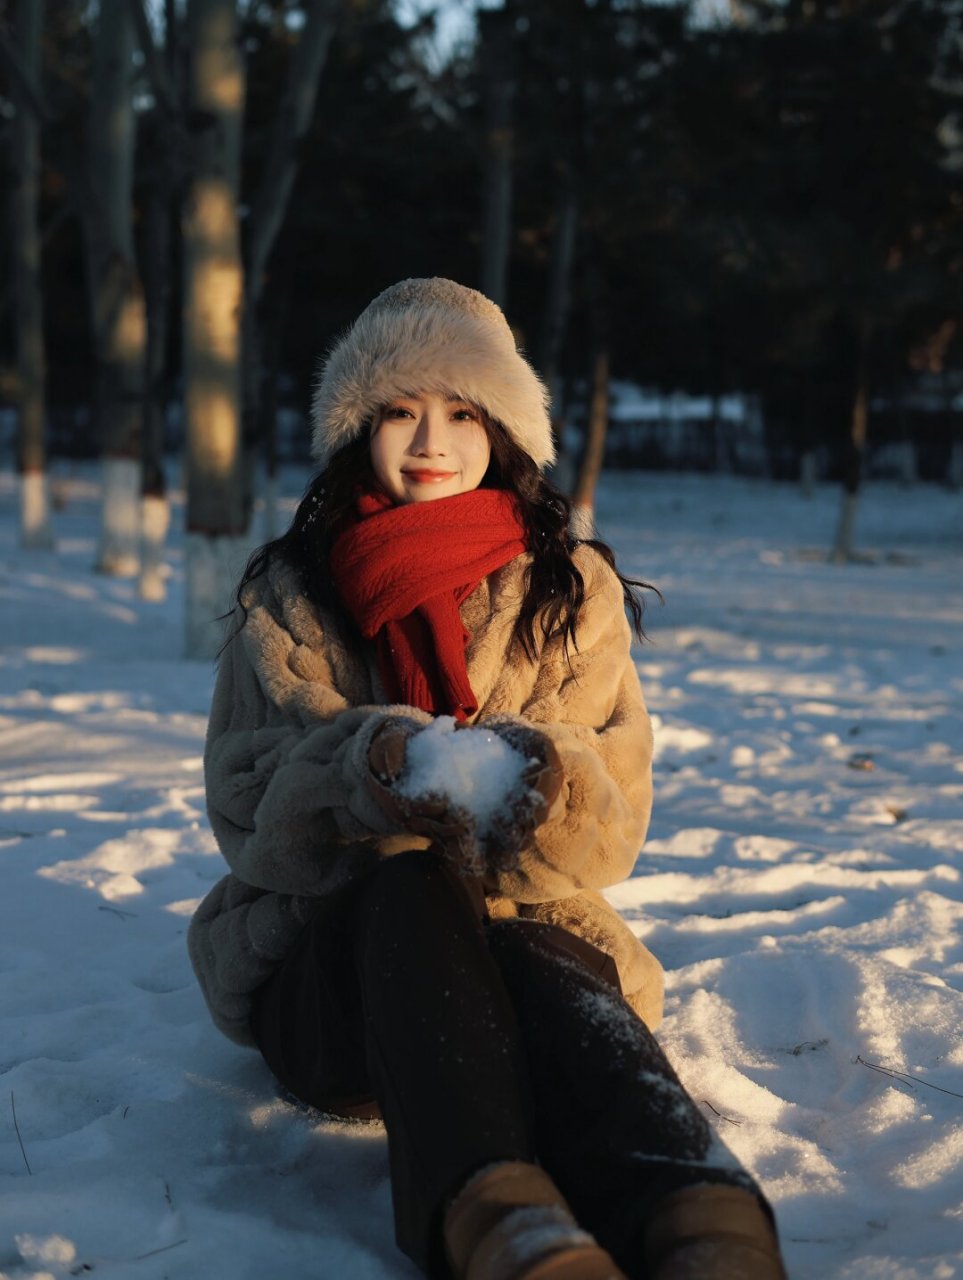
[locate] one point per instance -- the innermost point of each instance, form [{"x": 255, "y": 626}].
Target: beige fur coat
[{"x": 295, "y": 708}]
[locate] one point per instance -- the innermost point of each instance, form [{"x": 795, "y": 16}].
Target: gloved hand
[
  {"x": 386, "y": 750},
  {"x": 452, "y": 829},
  {"x": 529, "y": 802},
  {"x": 449, "y": 827}
]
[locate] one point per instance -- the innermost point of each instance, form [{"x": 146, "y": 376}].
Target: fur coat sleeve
[
  {"x": 286, "y": 755},
  {"x": 590, "y": 704}
]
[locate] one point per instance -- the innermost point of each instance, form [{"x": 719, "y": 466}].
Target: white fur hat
[{"x": 429, "y": 336}]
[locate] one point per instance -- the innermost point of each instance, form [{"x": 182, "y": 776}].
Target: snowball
[{"x": 474, "y": 769}]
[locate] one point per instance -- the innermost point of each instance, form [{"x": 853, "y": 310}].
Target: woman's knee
[
  {"x": 521, "y": 944},
  {"x": 418, "y": 879}
]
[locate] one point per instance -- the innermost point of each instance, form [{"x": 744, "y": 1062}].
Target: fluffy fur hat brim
[{"x": 431, "y": 336}]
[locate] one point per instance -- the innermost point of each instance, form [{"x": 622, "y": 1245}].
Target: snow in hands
[{"x": 474, "y": 769}]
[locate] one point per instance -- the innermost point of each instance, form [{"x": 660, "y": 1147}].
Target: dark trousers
[{"x": 480, "y": 1042}]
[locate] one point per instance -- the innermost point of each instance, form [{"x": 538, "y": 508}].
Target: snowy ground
[{"x": 801, "y": 883}]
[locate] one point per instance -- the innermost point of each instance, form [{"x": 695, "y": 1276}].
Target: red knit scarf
[{"x": 403, "y": 571}]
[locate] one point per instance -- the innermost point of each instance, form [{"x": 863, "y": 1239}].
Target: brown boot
[
  {"x": 510, "y": 1222},
  {"x": 712, "y": 1232}
]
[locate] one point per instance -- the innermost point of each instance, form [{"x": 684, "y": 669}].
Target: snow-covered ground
[{"x": 801, "y": 883}]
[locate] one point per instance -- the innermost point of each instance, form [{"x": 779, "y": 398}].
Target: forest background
[{"x": 761, "y": 207}]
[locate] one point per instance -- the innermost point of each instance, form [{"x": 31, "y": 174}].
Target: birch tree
[
  {"x": 117, "y": 298},
  {"x": 854, "y": 466},
  {"x": 269, "y": 208},
  {"x": 217, "y": 515},
  {"x": 597, "y": 416},
  {"x": 498, "y": 59},
  {"x": 35, "y": 526},
  {"x": 158, "y": 261},
  {"x": 161, "y": 135}
]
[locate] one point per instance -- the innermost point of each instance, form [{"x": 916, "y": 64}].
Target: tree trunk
[
  {"x": 908, "y": 462},
  {"x": 597, "y": 422},
  {"x": 268, "y": 429},
  {"x": 807, "y": 473},
  {"x": 856, "y": 451},
  {"x": 498, "y": 60},
  {"x": 583, "y": 498},
  {"x": 217, "y": 518},
  {"x": 160, "y": 128},
  {"x": 954, "y": 419},
  {"x": 808, "y": 459},
  {"x": 720, "y": 437},
  {"x": 955, "y": 469},
  {"x": 155, "y": 508},
  {"x": 290, "y": 125},
  {"x": 120, "y": 330},
  {"x": 555, "y": 317},
  {"x": 270, "y": 207},
  {"x": 35, "y": 526}
]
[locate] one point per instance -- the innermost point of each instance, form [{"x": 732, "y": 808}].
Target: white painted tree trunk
[
  {"x": 155, "y": 519},
  {"x": 213, "y": 566},
  {"x": 119, "y": 553},
  {"x": 956, "y": 465},
  {"x": 807, "y": 473},
  {"x": 36, "y": 533},
  {"x": 596, "y": 428},
  {"x": 117, "y": 298},
  {"x": 217, "y": 515},
  {"x": 843, "y": 542},
  {"x": 35, "y": 528},
  {"x": 908, "y": 469},
  {"x": 720, "y": 437},
  {"x": 858, "y": 433}
]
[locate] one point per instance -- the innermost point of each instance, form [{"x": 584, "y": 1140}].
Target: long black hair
[{"x": 555, "y": 589}]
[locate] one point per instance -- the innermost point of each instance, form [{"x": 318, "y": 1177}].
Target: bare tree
[
  {"x": 35, "y": 527},
  {"x": 217, "y": 518},
  {"x": 155, "y": 507},
  {"x": 162, "y": 137},
  {"x": 270, "y": 205},
  {"x": 596, "y": 427},
  {"x": 558, "y": 299},
  {"x": 597, "y": 421},
  {"x": 497, "y": 30},
  {"x": 117, "y": 299},
  {"x": 856, "y": 450}
]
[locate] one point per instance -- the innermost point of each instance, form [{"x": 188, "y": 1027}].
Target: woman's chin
[{"x": 428, "y": 491}]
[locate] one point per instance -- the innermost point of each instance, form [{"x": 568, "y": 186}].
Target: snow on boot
[
  {"x": 510, "y": 1222},
  {"x": 712, "y": 1232}
]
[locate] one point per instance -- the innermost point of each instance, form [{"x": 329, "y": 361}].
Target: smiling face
[{"x": 427, "y": 446}]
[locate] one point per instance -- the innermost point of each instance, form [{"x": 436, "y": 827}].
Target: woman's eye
[
  {"x": 396, "y": 411},
  {"x": 465, "y": 415}
]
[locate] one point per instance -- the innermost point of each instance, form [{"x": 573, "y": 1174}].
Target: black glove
[
  {"x": 528, "y": 803},
  {"x": 450, "y": 828}
]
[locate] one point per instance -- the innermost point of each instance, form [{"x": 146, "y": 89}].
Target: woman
[{"x": 390, "y": 948}]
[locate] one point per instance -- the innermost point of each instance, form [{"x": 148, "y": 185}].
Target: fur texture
[
  {"x": 294, "y": 711},
  {"x": 429, "y": 336}
]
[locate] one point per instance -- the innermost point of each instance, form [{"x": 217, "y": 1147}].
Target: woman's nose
[{"x": 431, "y": 437}]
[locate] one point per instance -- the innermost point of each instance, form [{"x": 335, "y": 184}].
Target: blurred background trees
[{"x": 730, "y": 241}]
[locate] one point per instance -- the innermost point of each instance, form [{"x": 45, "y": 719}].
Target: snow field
[{"x": 801, "y": 884}]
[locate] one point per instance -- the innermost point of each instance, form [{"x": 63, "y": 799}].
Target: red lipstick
[{"x": 427, "y": 476}]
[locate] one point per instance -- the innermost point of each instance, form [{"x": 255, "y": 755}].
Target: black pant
[{"x": 481, "y": 1042}]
